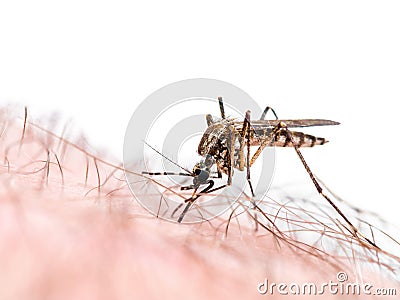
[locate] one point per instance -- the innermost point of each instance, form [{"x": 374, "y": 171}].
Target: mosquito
[{"x": 223, "y": 144}]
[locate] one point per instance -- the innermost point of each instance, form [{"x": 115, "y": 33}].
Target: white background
[{"x": 96, "y": 61}]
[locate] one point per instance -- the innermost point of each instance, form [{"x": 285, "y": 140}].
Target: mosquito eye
[{"x": 197, "y": 171}]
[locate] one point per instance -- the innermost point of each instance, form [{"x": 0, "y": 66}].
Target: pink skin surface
[{"x": 70, "y": 229}]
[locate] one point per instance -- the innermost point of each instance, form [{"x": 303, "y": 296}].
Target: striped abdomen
[{"x": 283, "y": 140}]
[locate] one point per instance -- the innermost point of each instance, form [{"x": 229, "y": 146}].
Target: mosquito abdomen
[
  {"x": 299, "y": 138},
  {"x": 283, "y": 140}
]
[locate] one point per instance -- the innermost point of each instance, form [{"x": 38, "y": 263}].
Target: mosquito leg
[
  {"x": 268, "y": 108},
  {"x": 214, "y": 189},
  {"x": 165, "y": 173},
  {"x": 241, "y": 153},
  {"x": 185, "y": 210},
  {"x": 247, "y": 121},
  {"x": 219, "y": 172},
  {"x": 191, "y": 200},
  {"x": 267, "y": 141},
  {"x": 189, "y": 187},
  {"x": 356, "y": 233},
  {"x": 231, "y": 142},
  {"x": 176, "y": 209},
  {"x": 204, "y": 191},
  {"x": 242, "y": 141},
  {"x": 189, "y": 203},
  {"x": 231, "y": 152},
  {"x": 221, "y": 107}
]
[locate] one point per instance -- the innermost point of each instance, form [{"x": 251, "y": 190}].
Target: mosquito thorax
[{"x": 211, "y": 139}]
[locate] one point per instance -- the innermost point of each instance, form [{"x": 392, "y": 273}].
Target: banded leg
[
  {"x": 221, "y": 107},
  {"x": 165, "y": 173},
  {"x": 267, "y": 141},
  {"x": 242, "y": 141},
  {"x": 245, "y": 137},
  {"x": 356, "y": 233},
  {"x": 170, "y": 174},
  {"x": 194, "y": 197},
  {"x": 247, "y": 120},
  {"x": 230, "y": 143},
  {"x": 231, "y": 152},
  {"x": 248, "y": 137},
  {"x": 188, "y": 187},
  {"x": 268, "y": 108},
  {"x": 188, "y": 205},
  {"x": 219, "y": 173}
]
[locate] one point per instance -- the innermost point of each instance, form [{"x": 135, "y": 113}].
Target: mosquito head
[{"x": 202, "y": 170}]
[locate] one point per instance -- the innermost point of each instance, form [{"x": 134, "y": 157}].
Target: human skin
[{"x": 71, "y": 229}]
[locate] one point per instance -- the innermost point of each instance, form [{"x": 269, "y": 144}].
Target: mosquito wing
[{"x": 293, "y": 123}]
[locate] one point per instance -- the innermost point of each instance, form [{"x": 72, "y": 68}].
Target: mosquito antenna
[{"x": 170, "y": 160}]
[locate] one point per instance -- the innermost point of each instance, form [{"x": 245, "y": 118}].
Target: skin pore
[{"x": 71, "y": 229}]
